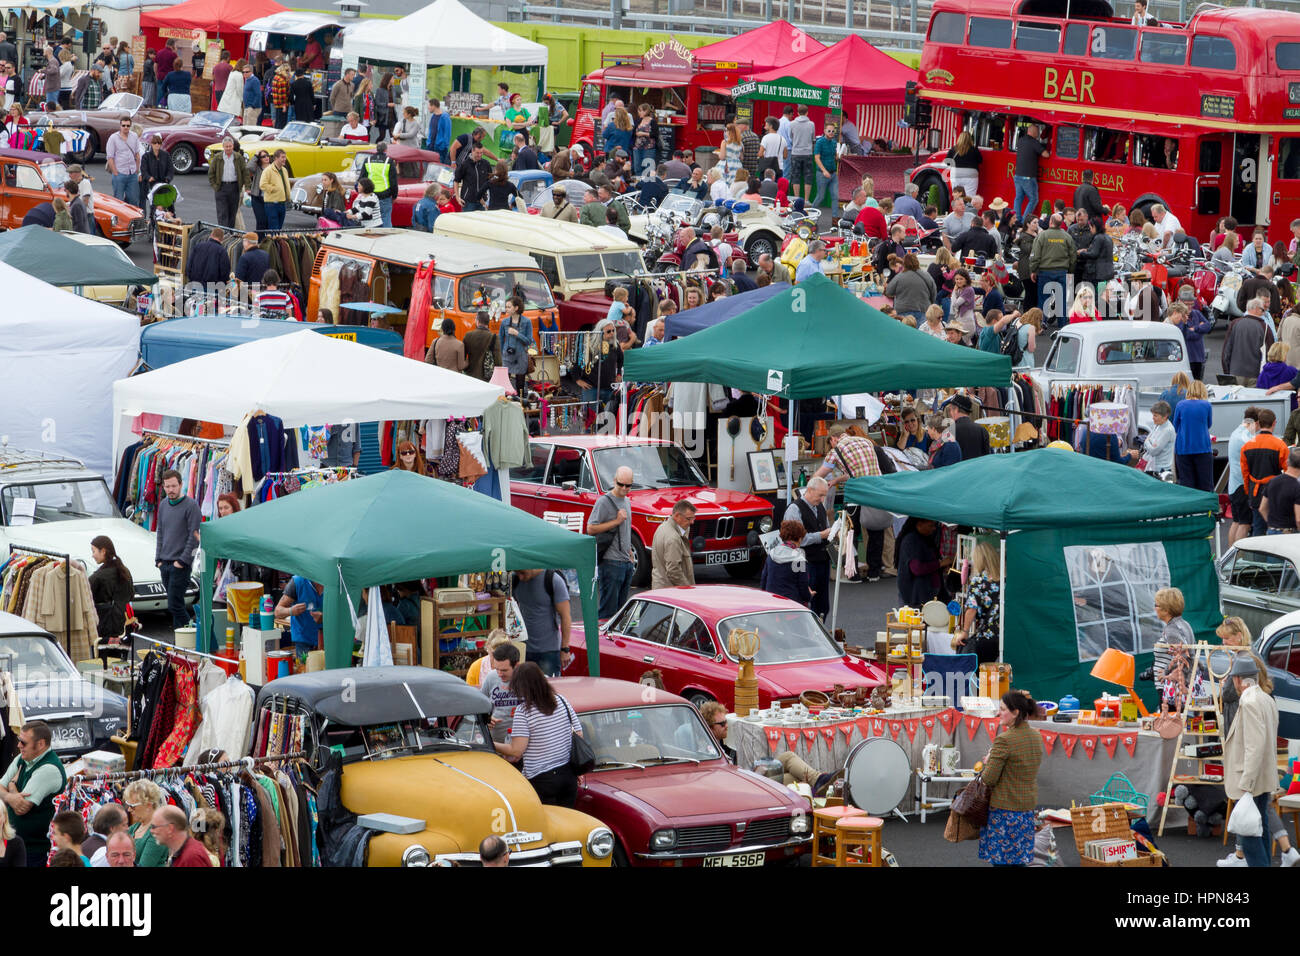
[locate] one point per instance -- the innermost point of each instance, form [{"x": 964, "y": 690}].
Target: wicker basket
[{"x": 1107, "y": 821}]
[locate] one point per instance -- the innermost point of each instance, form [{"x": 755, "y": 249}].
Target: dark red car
[
  {"x": 188, "y": 142},
  {"x": 682, "y": 633},
  {"x": 666, "y": 790}
]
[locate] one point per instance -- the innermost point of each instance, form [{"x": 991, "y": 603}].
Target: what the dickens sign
[{"x": 786, "y": 90}]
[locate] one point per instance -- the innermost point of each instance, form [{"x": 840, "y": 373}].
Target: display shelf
[{"x": 1200, "y": 654}]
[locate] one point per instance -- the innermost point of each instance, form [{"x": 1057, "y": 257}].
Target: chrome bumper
[
  {"x": 557, "y": 854},
  {"x": 728, "y": 851}
]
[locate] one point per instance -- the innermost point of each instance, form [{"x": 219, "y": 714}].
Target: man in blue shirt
[
  {"x": 811, "y": 264},
  {"x": 252, "y": 97},
  {"x": 302, "y": 602},
  {"x": 439, "y": 129},
  {"x": 907, "y": 204}
]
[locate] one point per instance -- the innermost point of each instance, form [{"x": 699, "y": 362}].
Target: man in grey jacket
[
  {"x": 1247, "y": 343},
  {"x": 175, "y": 541}
]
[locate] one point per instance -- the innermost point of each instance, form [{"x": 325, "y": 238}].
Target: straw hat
[{"x": 998, "y": 204}]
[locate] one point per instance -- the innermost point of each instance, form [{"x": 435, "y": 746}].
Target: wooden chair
[
  {"x": 861, "y": 834},
  {"x": 824, "y": 821}
]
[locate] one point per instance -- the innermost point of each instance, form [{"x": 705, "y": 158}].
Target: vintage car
[
  {"x": 103, "y": 122},
  {"x": 29, "y": 178},
  {"x": 467, "y": 276},
  {"x": 416, "y": 168},
  {"x": 578, "y": 260},
  {"x": 416, "y": 751},
  {"x": 1278, "y": 646},
  {"x": 574, "y": 190},
  {"x": 82, "y": 716},
  {"x": 115, "y": 295},
  {"x": 667, "y": 791},
  {"x": 306, "y": 146},
  {"x": 188, "y": 142},
  {"x": 530, "y": 182},
  {"x": 1259, "y": 579},
  {"x": 682, "y": 633},
  {"x": 69, "y": 505},
  {"x": 755, "y": 228},
  {"x": 569, "y": 472}
]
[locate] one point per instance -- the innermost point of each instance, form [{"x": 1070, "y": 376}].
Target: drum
[
  {"x": 999, "y": 430},
  {"x": 877, "y": 775}
]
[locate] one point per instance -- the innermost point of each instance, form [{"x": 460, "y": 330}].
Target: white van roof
[
  {"x": 531, "y": 232},
  {"x": 410, "y": 247}
]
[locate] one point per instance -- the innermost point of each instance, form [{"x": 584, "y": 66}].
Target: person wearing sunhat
[
  {"x": 1145, "y": 303},
  {"x": 954, "y": 332},
  {"x": 559, "y": 207},
  {"x": 1249, "y": 753}
]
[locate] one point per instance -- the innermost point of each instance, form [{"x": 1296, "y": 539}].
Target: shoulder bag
[{"x": 582, "y": 758}]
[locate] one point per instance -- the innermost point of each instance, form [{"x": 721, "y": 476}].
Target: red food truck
[
  {"x": 690, "y": 97},
  {"x": 1202, "y": 117}
]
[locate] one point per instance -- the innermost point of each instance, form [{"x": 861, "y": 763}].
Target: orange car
[{"x": 29, "y": 178}]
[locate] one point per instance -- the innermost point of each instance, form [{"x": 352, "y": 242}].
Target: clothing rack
[
  {"x": 183, "y": 651},
  {"x": 246, "y": 762},
  {"x": 67, "y": 588},
  {"x": 219, "y": 442},
  {"x": 203, "y": 223}
]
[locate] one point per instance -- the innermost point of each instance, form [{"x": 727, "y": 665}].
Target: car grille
[
  {"x": 775, "y": 830},
  {"x": 557, "y": 854},
  {"x": 139, "y": 228},
  {"x": 704, "y": 838},
  {"x": 724, "y": 527}
]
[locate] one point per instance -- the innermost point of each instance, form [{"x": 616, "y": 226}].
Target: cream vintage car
[{"x": 418, "y": 768}]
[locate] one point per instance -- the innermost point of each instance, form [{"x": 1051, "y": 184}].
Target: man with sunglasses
[
  {"x": 611, "y": 523},
  {"x": 122, "y": 156},
  {"x": 29, "y": 786},
  {"x": 796, "y": 769}
]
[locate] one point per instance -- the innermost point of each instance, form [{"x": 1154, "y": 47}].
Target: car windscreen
[
  {"x": 47, "y": 501},
  {"x": 305, "y": 133},
  {"x": 122, "y": 101},
  {"x": 55, "y": 173},
  {"x": 653, "y": 466},
  {"x": 647, "y": 735},
  {"x": 627, "y": 262},
  {"x": 407, "y": 737},
  {"x": 484, "y": 289},
  {"x": 211, "y": 118},
  {"x": 34, "y": 659},
  {"x": 686, "y": 206},
  {"x": 784, "y": 637}
]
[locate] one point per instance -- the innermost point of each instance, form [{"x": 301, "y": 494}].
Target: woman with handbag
[
  {"x": 1011, "y": 774},
  {"x": 516, "y": 334},
  {"x": 542, "y": 734}
]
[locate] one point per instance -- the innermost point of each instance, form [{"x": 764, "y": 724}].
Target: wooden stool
[
  {"x": 1272, "y": 848},
  {"x": 858, "y": 833},
  {"x": 1290, "y": 806},
  {"x": 824, "y": 821}
]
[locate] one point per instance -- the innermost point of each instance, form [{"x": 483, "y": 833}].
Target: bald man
[
  {"x": 611, "y": 523},
  {"x": 171, "y": 828}
]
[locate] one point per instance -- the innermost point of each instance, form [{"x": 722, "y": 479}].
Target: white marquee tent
[
  {"x": 59, "y": 356},
  {"x": 445, "y": 32},
  {"x": 304, "y": 378}
]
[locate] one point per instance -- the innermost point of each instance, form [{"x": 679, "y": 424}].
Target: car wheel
[
  {"x": 764, "y": 244},
  {"x": 641, "y": 577},
  {"x": 184, "y": 159},
  {"x": 1213, "y": 315},
  {"x": 697, "y": 698},
  {"x": 747, "y": 570},
  {"x": 924, "y": 185},
  {"x": 87, "y": 154}
]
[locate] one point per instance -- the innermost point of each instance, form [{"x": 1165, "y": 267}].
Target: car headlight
[
  {"x": 416, "y": 856},
  {"x": 765, "y": 524},
  {"x": 663, "y": 840},
  {"x": 799, "y": 822},
  {"x": 112, "y": 220},
  {"x": 600, "y": 843}
]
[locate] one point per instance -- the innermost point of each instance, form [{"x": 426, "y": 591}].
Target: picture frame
[{"x": 762, "y": 471}]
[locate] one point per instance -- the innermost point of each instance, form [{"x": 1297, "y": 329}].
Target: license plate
[
  {"x": 736, "y": 859},
  {"x": 154, "y": 588},
  {"x": 70, "y": 734},
  {"x": 739, "y": 556}
]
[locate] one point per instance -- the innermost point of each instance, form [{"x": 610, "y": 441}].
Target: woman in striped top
[
  {"x": 1171, "y": 665},
  {"x": 541, "y": 732}
]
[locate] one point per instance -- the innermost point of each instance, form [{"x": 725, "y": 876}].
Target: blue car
[
  {"x": 530, "y": 182},
  {"x": 1278, "y": 646}
]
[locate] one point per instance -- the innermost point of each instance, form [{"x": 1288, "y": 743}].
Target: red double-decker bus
[{"x": 1202, "y": 117}]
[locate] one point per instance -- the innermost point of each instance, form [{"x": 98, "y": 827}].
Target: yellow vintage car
[
  {"x": 417, "y": 767},
  {"x": 308, "y": 150}
]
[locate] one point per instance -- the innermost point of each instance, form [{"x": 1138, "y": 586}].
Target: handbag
[
  {"x": 582, "y": 758},
  {"x": 1168, "y": 725},
  {"x": 972, "y": 802},
  {"x": 958, "y": 829}
]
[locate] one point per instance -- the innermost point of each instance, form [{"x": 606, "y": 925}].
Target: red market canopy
[
  {"x": 866, "y": 74},
  {"x": 217, "y": 18},
  {"x": 772, "y": 45}
]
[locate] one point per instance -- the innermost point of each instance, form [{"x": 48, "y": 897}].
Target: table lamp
[{"x": 1116, "y": 667}]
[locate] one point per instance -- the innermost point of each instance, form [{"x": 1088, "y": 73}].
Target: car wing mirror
[{"x": 569, "y": 486}]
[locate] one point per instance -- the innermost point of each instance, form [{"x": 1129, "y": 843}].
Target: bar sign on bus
[{"x": 1218, "y": 105}]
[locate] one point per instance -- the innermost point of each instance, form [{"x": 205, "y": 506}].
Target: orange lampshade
[{"x": 1115, "y": 667}]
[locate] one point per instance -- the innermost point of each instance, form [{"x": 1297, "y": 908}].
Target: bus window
[
  {"x": 1067, "y": 142},
  {"x": 989, "y": 32},
  {"x": 988, "y": 129},
  {"x": 1155, "y": 152},
  {"x": 1114, "y": 43},
  {"x": 947, "y": 28},
  {"x": 1288, "y": 56},
  {"x": 590, "y": 97},
  {"x": 1211, "y": 158},
  {"x": 1038, "y": 37},
  {"x": 1213, "y": 53},
  {"x": 1044, "y": 131},
  {"x": 1163, "y": 48},
  {"x": 1288, "y": 158},
  {"x": 1076, "y": 39},
  {"x": 1106, "y": 145}
]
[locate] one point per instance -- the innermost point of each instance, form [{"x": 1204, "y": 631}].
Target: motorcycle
[{"x": 1224, "y": 304}]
